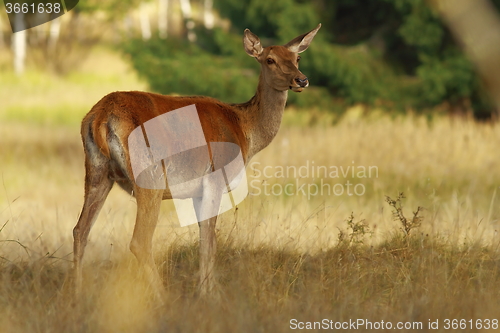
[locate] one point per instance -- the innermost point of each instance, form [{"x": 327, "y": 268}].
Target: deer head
[{"x": 280, "y": 64}]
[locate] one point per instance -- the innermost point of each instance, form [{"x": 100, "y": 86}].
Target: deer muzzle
[{"x": 302, "y": 83}]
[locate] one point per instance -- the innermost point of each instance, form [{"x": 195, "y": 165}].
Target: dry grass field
[{"x": 280, "y": 262}]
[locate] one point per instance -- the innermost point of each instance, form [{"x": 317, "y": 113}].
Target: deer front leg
[
  {"x": 208, "y": 249},
  {"x": 148, "y": 209},
  {"x": 207, "y": 209}
]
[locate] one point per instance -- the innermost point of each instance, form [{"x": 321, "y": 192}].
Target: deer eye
[
  {"x": 270, "y": 61},
  {"x": 298, "y": 58}
]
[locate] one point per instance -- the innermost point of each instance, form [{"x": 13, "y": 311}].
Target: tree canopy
[{"x": 390, "y": 53}]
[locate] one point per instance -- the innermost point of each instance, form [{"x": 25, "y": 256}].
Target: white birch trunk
[
  {"x": 163, "y": 18},
  {"x": 188, "y": 19},
  {"x": 19, "y": 44},
  {"x": 208, "y": 15},
  {"x": 55, "y": 31},
  {"x": 145, "y": 24}
]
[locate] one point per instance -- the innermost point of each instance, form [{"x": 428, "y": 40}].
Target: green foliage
[
  {"x": 422, "y": 29},
  {"x": 444, "y": 73},
  {"x": 390, "y": 53},
  {"x": 178, "y": 67},
  {"x": 112, "y": 8},
  {"x": 352, "y": 73},
  {"x": 450, "y": 78},
  {"x": 279, "y": 19}
]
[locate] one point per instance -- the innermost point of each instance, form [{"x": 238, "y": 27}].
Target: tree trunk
[
  {"x": 208, "y": 15},
  {"x": 145, "y": 25},
  {"x": 127, "y": 25},
  {"x": 188, "y": 19},
  {"x": 55, "y": 30},
  {"x": 19, "y": 44},
  {"x": 163, "y": 18}
]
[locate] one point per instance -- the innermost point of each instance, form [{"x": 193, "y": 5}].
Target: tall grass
[{"x": 280, "y": 255}]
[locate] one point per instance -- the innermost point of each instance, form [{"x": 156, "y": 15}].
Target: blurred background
[
  {"x": 394, "y": 55},
  {"x": 409, "y": 88}
]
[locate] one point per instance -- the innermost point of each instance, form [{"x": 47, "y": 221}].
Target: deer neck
[{"x": 262, "y": 116}]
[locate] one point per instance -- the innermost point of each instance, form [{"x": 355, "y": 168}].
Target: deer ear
[
  {"x": 252, "y": 44},
  {"x": 301, "y": 43}
]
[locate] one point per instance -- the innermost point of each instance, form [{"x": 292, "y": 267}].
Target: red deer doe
[{"x": 251, "y": 125}]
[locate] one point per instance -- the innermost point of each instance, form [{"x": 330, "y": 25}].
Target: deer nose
[{"x": 301, "y": 82}]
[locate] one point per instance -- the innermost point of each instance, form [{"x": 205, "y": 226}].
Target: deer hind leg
[
  {"x": 148, "y": 209},
  {"x": 97, "y": 187}
]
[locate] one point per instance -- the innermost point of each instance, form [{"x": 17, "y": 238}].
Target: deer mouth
[{"x": 297, "y": 89}]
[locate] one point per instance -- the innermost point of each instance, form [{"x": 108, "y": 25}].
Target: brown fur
[{"x": 134, "y": 108}]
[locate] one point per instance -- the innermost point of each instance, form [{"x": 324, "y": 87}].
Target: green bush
[
  {"x": 390, "y": 53},
  {"x": 450, "y": 78},
  {"x": 177, "y": 67}
]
